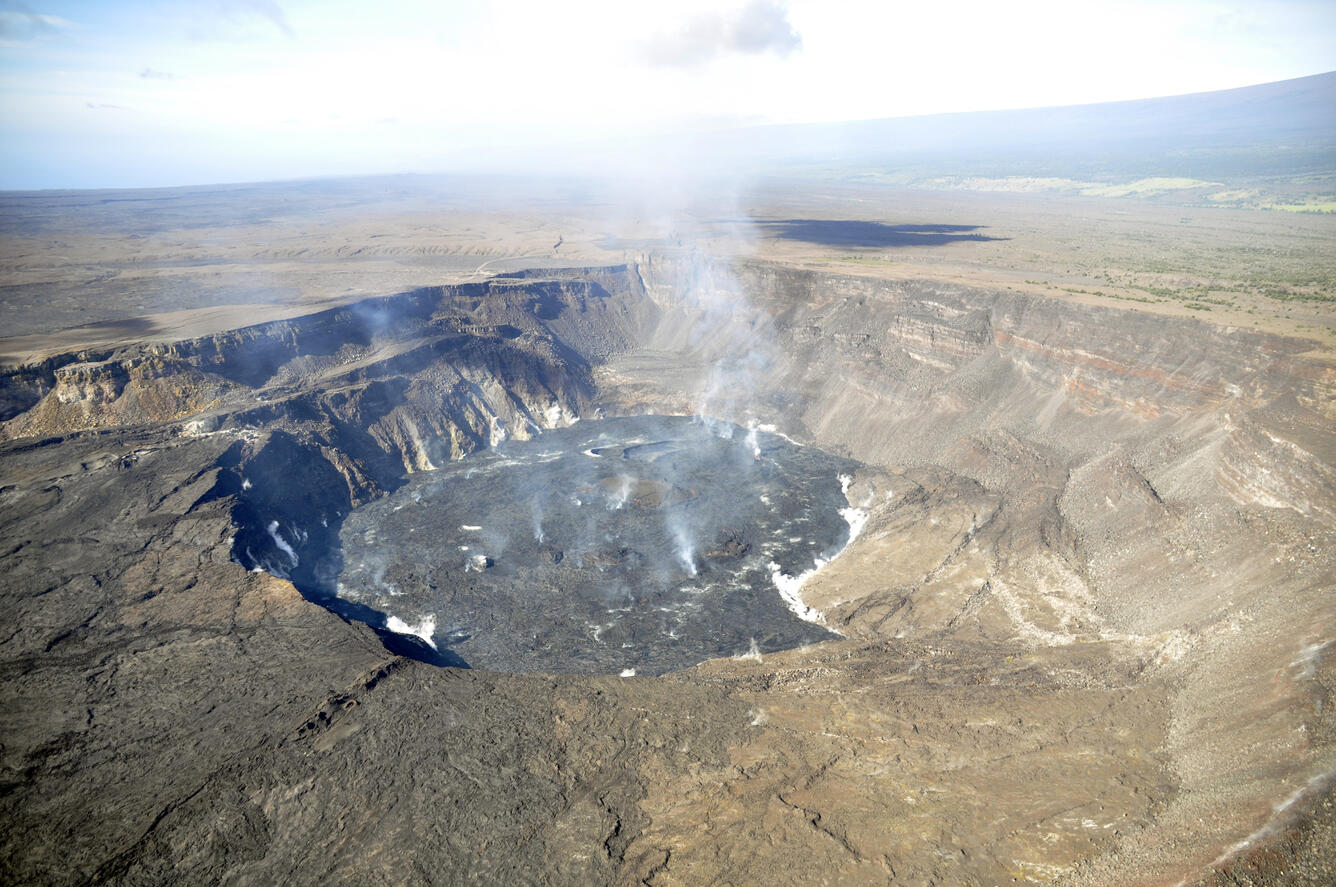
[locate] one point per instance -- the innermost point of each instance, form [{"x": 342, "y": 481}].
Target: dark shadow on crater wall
[
  {"x": 843, "y": 232},
  {"x": 288, "y": 491}
]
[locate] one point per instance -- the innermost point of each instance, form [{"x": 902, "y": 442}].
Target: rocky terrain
[{"x": 1087, "y": 625}]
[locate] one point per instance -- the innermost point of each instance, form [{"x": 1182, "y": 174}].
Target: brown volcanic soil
[{"x": 1087, "y": 623}]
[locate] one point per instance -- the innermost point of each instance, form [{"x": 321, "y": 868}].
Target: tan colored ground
[{"x": 1211, "y": 263}]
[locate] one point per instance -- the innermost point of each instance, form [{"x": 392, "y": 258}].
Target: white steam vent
[{"x": 424, "y": 628}]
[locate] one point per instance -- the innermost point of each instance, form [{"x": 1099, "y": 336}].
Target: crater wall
[{"x": 1066, "y": 475}]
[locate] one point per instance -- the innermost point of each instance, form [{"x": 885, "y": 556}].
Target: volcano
[{"x": 898, "y": 579}]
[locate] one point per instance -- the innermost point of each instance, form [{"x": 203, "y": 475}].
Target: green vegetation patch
[
  {"x": 1013, "y": 184},
  {"x": 1321, "y": 206},
  {"x": 1155, "y": 185},
  {"x": 865, "y": 260}
]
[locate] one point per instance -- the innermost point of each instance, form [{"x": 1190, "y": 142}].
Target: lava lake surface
[{"x": 648, "y": 543}]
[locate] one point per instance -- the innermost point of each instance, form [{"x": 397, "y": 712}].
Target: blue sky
[{"x": 110, "y": 94}]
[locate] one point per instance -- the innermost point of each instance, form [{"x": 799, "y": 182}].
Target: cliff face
[
  {"x": 1059, "y": 475},
  {"x": 1086, "y": 616},
  {"x": 467, "y": 365}
]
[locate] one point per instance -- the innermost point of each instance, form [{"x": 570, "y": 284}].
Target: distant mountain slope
[{"x": 1286, "y": 129}]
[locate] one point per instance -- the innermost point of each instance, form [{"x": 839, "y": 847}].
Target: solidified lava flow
[{"x": 647, "y": 543}]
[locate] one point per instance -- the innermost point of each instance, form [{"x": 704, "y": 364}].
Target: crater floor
[{"x": 647, "y": 543}]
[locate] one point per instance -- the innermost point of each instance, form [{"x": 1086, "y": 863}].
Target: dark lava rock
[{"x": 645, "y": 543}]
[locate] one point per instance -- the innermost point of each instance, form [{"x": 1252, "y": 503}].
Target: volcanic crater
[{"x": 1080, "y": 633}]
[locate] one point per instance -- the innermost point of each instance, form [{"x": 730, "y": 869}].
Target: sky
[{"x": 147, "y": 93}]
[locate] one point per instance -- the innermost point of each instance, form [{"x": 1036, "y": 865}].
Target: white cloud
[
  {"x": 19, "y": 23},
  {"x": 313, "y": 82},
  {"x": 760, "y": 27},
  {"x": 240, "y": 11}
]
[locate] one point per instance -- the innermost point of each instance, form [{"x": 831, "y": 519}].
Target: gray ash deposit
[{"x": 643, "y": 544}]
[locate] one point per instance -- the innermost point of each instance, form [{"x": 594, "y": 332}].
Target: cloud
[
  {"x": 760, "y": 27},
  {"x": 266, "y": 9},
  {"x": 104, "y": 106},
  {"x": 763, "y": 26},
  {"x": 233, "y": 20},
  {"x": 150, "y": 74},
  {"x": 19, "y": 22}
]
